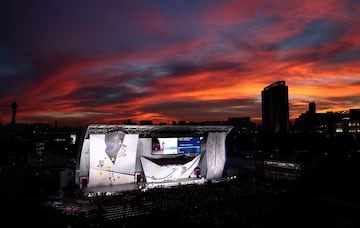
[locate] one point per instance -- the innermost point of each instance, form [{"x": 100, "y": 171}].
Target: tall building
[
  {"x": 312, "y": 108},
  {"x": 275, "y": 108}
]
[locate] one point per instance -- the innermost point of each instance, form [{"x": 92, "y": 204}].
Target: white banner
[
  {"x": 112, "y": 158},
  {"x": 215, "y": 154}
]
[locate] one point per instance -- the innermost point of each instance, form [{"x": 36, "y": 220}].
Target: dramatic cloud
[{"x": 107, "y": 62}]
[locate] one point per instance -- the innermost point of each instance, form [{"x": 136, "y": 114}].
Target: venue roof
[{"x": 157, "y": 130}]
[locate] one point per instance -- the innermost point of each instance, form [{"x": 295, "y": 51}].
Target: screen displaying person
[{"x": 156, "y": 146}]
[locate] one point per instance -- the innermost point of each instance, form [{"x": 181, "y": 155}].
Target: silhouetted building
[
  {"x": 145, "y": 122},
  {"x": 275, "y": 108},
  {"x": 312, "y": 108},
  {"x": 240, "y": 121}
]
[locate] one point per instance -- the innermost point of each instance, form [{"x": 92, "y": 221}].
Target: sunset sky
[{"x": 83, "y": 62}]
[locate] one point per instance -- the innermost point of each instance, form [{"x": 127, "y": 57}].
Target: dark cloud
[
  {"x": 102, "y": 96},
  {"x": 316, "y": 34},
  {"x": 350, "y": 100},
  {"x": 213, "y": 109},
  {"x": 185, "y": 68},
  {"x": 15, "y": 73},
  {"x": 349, "y": 54}
]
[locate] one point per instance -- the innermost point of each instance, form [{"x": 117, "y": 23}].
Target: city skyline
[{"x": 92, "y": 62}]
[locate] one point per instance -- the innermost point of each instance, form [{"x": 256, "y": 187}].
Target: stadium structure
[{"x": 122, "y": 157}]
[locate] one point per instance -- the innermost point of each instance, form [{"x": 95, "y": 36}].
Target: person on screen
[
  {"x": 156, "y": 145},
  {"x": 162, "y": 146}
]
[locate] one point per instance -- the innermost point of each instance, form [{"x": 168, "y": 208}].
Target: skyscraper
[
  {"x": 275, "y": 108},
  {"x": 312, "y": 108}
]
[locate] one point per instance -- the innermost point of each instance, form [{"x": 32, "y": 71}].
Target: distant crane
[{"x": 14, "y": 106}]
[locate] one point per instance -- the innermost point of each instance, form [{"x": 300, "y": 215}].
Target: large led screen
[
  {"x": 112, "y": 158},
  {"x": 189, "y": 145},
  {"x": 179, "y": 145}
]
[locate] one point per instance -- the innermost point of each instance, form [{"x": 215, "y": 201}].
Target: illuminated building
[
  {"x": 156, "y": 155},
  {"x": 282, "y": 169},
  {"x": 275, "y": 108},
  {"x": 332, "y": 122}
]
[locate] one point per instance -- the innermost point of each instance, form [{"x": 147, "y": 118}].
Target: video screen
[{"x": 180, "y": 145}]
